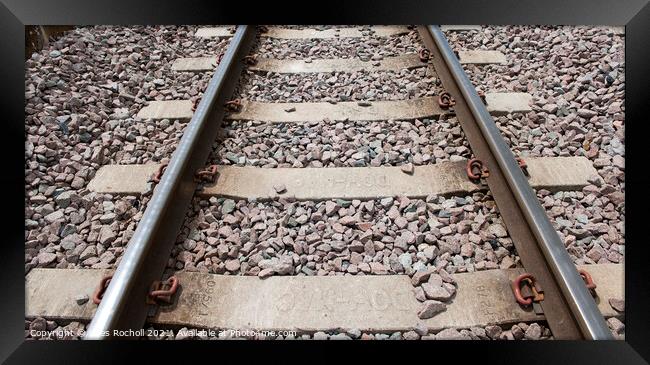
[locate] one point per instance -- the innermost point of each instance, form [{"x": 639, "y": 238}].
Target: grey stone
[
  {"x": 411, "y": 335},
  {"x": 54, "y": 216},
  {"x": 616, "y": 325},
  {"x": 421, "y": 328},
  {"x": 71, "y": 241},
  {"x": 46, "y": 258},
  {"x": 340, "y": 336},
  {"x": 64, "y": 199},
  {"x": 450, "y": 334},
  {"x": 81, "y": 299},
  {"x": 107, "y": 235},
  {"x": 534, "y": 332},
  {"x": 617, "y": 304},
  {"x": 436, "y": 292},
  {"x": 228, "y": 206},
  {"x": 498, "y": 230},
  {"x": 493, "y": 331},
  {"x": 430, "y": 308},
  {"x": 420, "y": 277},
  {"x": 407, "y": 168}
]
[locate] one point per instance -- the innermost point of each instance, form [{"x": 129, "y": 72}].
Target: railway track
[{"x": 237, "y": 256}]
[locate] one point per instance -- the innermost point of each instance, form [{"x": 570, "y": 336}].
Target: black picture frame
[{"x": 634, "y": 15}]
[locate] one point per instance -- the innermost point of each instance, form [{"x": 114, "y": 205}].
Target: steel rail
[
  {"x": 574, "y": 315},
  {"x": 123, "y": 306}
]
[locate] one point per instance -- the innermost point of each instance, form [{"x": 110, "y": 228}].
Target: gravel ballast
[
  {"x": 335, "y": 237},
  {"x": 339, "y": 86},
  {"x": 335, "y": 144},
  {"x": 82, "y": 93},
  {"x": 364, "y": 48}
]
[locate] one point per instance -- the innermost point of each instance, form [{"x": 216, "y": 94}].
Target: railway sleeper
[{"x": 370, "y": 303}]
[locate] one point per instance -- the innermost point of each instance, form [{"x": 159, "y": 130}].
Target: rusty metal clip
[
  {"x": 233, "y": 105},
  {"x": 161, "y": 170},
  {"x": 534, "y": 292},
  {"x": 476, "y": 169},
  {"x": 263, "y": 28},
  {"x": 219, "y": 58},
  {"x": 101, "y": 288},
  {"x": 522, "y": 165},
  {"x": 481, "y": 94},
  {"x": 589, "y": 281},
  {"x": 208, "y": 174},
  {"x": 445, "y": 100},
  {"x": 162, "y": 291},
  {"x": 232, "y": 30},
  {"x": 424, "y": 55},
  {"x": 250, "y": 60},
  {"x": 195, "y": 104}
]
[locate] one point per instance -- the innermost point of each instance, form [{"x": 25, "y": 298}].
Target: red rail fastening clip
[
  {"x": 589, "y": 281},
  {"x": 162, "y": 291},
  {"x": 195, "y": 104},
  {"x": 424, "y": 55},
  {"x": 476, "y": 170},
  {"x": 522, "y": 165},
  {"x": 208, "y": 174},
  {"x": 233, "y": 105},
  {"x": 481, "y": 94},
  {"x": 101, "y": 288},
  {"x": 161, "y": 170},
  {"x": 535, "y": 292},
  {"x": 445, "y": 100}
]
